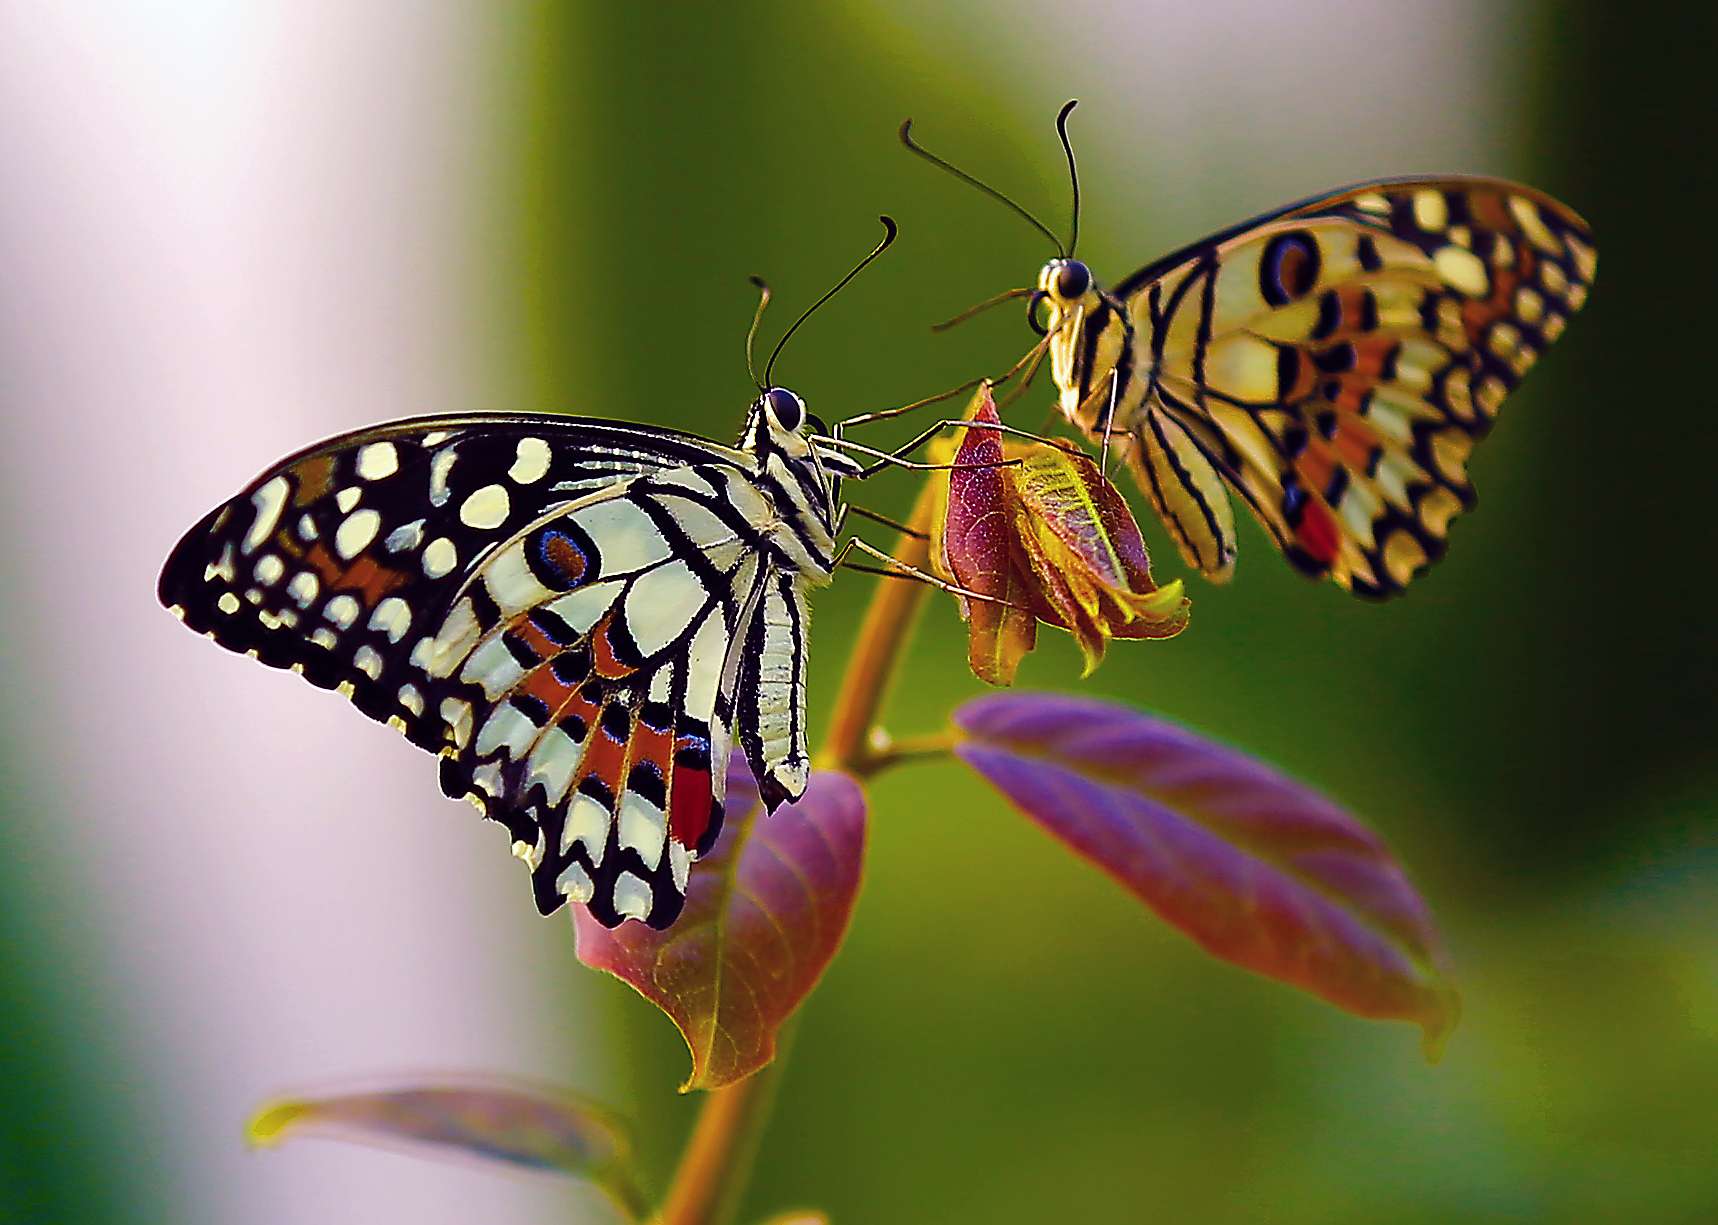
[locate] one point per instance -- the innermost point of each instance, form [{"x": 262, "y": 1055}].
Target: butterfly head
[{"x": 780, "y": 424}]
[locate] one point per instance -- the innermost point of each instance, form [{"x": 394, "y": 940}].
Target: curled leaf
[
  {"x": 1045, "y": 538},
  {"x": 765, "y": 912},
  {"x": 536, "y": 1129},
  {"x": 974, "y": 546},
  {"x": 1259, "y": 869}
]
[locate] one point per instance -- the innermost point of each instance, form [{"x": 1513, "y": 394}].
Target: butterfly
[
  {"x": 578, "y": 616},
  {"x": 1333, "y": 362}
]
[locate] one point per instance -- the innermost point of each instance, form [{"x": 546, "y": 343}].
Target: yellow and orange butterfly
[{"x": 1333, "y": 362}]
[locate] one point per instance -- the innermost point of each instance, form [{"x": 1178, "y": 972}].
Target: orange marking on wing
[
  {"x": 312, "y": 478},
  {"x": 1306, "y": 376},
  {"x": 1350, "y": 395},
  {"x": 1314, "y": 466},
  {"x": 605, "y": 759},
  {"x": 542, "y": 684},
  {"x": 648, "y": 744},
  {"x": 371, "y": 580},
  {"x": 602, "y": 652},
  {"x": 1354, "y": 442},
  {"x": 1352, "y": 300},
  {"x": 1372, "y": 356},
  {"x": 1479, "y": 314},
  {"x": 366, "y": 576},
  {"x": 1487, "y": 209}
]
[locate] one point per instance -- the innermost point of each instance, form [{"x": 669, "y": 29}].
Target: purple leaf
[
  {"x": 1259, "y": 869},
  {"x": 765, "y": 912},
  {"x": 497, "y": 1122}
]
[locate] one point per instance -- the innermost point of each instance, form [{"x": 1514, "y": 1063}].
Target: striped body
[
  {"x": 579, "y": 617},
  {"x": 1332, "y": 362}
]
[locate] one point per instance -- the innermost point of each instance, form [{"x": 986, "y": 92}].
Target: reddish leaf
[
  {"x": 764, "y": 914},
  {"x": 1256, "y": 867},
  {"x": 497, "y": 1122},
  {"x": 1048, "y": 539},
  {"x": 975, "y": 547}
]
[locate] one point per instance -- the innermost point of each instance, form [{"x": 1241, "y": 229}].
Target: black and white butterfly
[{"x": 579, "y": 616}]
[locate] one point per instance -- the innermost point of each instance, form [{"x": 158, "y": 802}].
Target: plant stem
[{"x": 717, "y": 1162}]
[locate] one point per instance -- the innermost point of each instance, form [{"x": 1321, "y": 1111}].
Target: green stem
[{"x": 717, "y": 1162}]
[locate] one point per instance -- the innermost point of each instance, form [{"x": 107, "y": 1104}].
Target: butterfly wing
[
  {"x": 404, "y": 565},
  {"x": 1335, "y": 362}
]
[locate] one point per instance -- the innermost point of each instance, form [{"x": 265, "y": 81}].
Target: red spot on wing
[
  {"x": 1317, "y": 533},
  {"x": 690, "y": 803}
]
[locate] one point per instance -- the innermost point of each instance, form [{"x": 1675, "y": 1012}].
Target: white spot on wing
[
  {"x": 441, "y": 467},
  {"x": 580, "y": 609},
  {"x": 270, "y": 570},
  {"x": 1463, "y": 269},
  {"x": 631, "y": 896},
  {"x": 626, "y": 537},
  {"x": 393, "y": 616},
  {"x": 576, "y": 883},
  {"x": 553, "y": 761},
  {"x": 369, "y": 662},
  {"x": 268, "y": 500},
  {"x": 505, "y": 728},
  {"x": 531, "y": 461},
  {"x": 487, "y": 508},
  {"x": 587, "y": 823},
  {"x": 228, "y": 603},
  {"x": 411, "y": 699},
  {"x": 440, "y": 557},
  {"x": 679, "y": 863},
  {"x": 659, "y": 605},
  {"x": 406, "y": 536},
  {"x": 642, "y": 827},
  {"x": 492, "y": 665},
  {"x": 342, "y": 610},
  {"x": 347, "y": 498},
  {"x": 356, "y": 531},
  {"x": 378, "y": 460},
  {"x": 303, "y": 588},
  {"x": 510, "y": 582}
]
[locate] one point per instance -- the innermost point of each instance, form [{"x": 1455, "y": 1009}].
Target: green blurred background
[{"x": 1006, "y": 1037}]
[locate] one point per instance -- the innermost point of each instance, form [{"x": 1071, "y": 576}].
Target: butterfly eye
[
  {"x": 1073, "y": 280},
  {"x": 786, "y": 408}
]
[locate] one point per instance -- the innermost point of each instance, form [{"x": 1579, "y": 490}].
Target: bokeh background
[{"x": 226, "y": 230}]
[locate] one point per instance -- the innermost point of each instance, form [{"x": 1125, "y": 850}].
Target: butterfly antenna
[
  {"x": 970, "y": 181},
  {"x": 890, "y": 229},
  {"x": 1073, "y": 171},
  {"x": 752, "y": 332}
]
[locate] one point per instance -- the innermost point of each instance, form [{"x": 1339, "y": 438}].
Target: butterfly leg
[
  {"x": 1109, "y": 420},
  {"x": 875, "y": 517},
  {"x": 901, "y": 569},
  {"x": 886, "y": 458}
]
